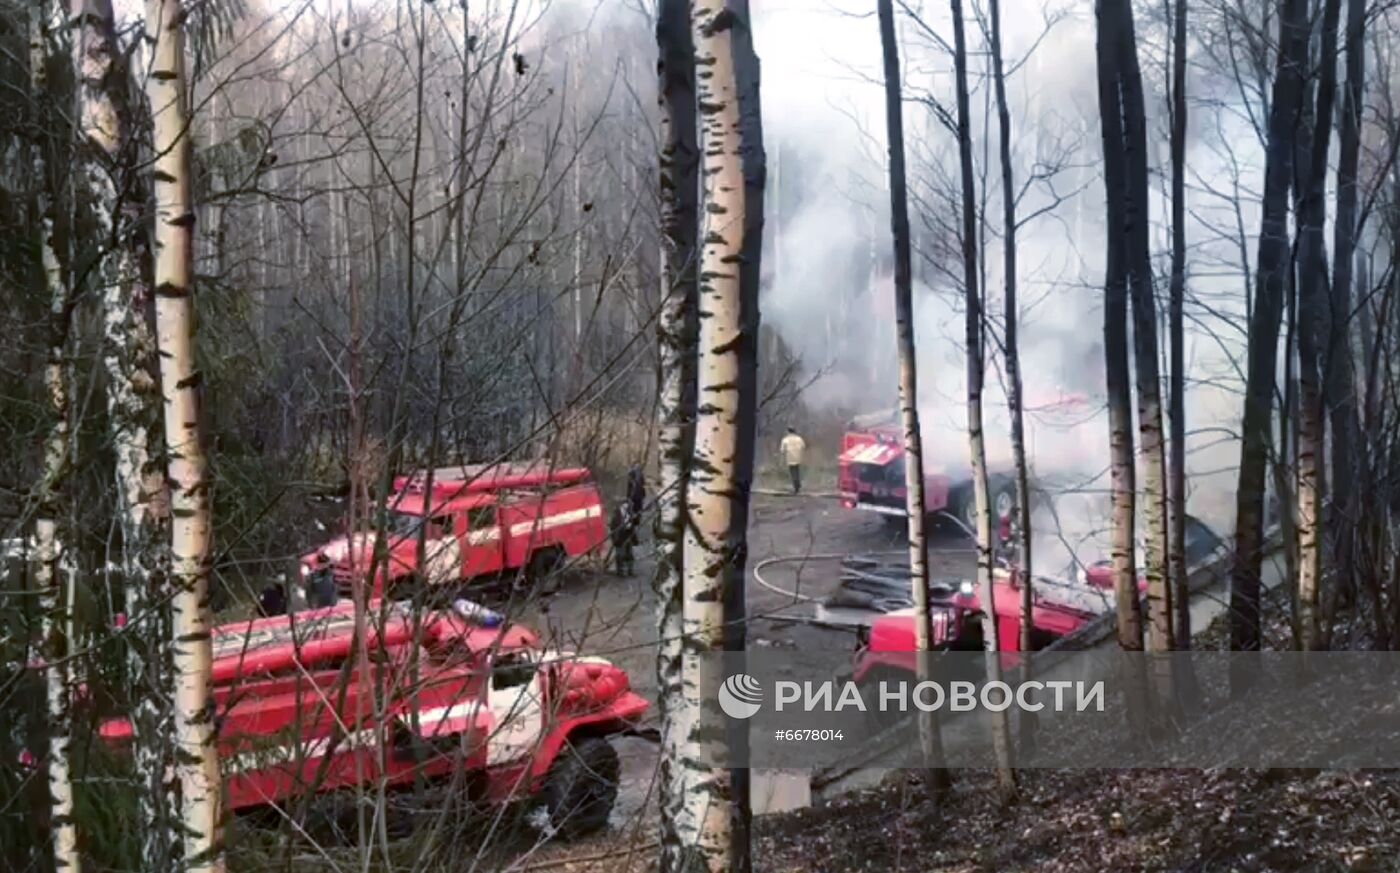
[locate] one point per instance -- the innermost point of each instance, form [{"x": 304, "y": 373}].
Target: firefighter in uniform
[{"x": 320, "y": 586}]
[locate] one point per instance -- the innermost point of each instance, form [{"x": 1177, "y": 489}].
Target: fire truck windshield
[{"x": 405, "y": 524}]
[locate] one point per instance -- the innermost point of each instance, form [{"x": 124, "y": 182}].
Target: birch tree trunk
[
  {"x": 676, "y": 327},
  {"x": 1138, "y": 265},
  {"x": 936, "y": 775},
  {"x": 1015, "y": 396},
  {"x": 976, "y": 364},
  {"x": 577, "y": 148},
  {"x": 706, "y": 823},
  {"x": 1116, "y": 366},
  {"x": 1270, "y": 278},
  {"x": 755, "y": 172},
  {"x": 1339, "y": 372},
  {"x": 1311, "y": 316},
  {"x": 197, "y": 759},
  {"x": 1138, "y": 260},
  {"x": 48, "y": 567},
  {"x": 107, "y": 152},
  {"x": 1176, "y": 330}
]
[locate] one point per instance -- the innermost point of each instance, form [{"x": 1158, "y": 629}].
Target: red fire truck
[
  {"x": 462, "y": 696},
  {"x": 480, "y": 521},
  {"x": 871, "y": 475},
  {"x": 1059, "y": 609}
]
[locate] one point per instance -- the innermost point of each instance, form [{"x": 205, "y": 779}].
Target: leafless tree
[
  {"x": 936, "y": 777},
  {"x": 1270, "y": 279},
  {"x": 976, "y": 370}
]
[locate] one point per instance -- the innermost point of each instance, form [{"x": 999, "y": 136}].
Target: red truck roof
[
  {"x": 483, "y": 478},
  {"x": 265, "y": 645}
]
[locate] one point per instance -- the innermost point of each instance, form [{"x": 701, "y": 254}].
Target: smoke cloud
[{"x": 830, "y": 294}]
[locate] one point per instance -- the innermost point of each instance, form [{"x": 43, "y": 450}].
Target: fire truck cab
[
  {"x": 871, "y": 476},
  {"x": 474, "y": 522}
]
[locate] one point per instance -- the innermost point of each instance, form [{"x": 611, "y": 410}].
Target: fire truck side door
[{"x": 483, "y": 545}]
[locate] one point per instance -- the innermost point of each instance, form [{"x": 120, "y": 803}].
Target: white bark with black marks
[
  {"x": 55, "y": 596},
  {"x": 676, "y": 329},
  {"x": 191, "y": 524},
  {"x": 705, "y": 821},
  {"x": 107, "y": 157}
]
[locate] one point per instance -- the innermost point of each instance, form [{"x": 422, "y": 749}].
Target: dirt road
[{"x": 614, "y": 617}]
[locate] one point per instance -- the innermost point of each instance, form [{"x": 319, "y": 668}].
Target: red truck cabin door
[{"x": 483, "y": 546}]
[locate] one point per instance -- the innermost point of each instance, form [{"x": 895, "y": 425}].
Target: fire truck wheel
[
  {"x": 581, "y": 787},
  {"x": 1003, "y": 501}
]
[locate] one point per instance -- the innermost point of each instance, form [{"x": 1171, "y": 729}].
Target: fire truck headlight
[
  {"x": 304, "y": 570},
  {"x": 965, "y": 588}
]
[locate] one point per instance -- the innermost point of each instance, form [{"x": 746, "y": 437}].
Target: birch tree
[
  {"x": 48, "y": 547},
  {"x": 197, "y": 758},
  {"x": 1015, "y": 396},
  {"x": 1176, "y": 329},
  {"x": 976, "y": 372},
  {"x": 1312, "y": 316},
  {"x": 1115, "y": 315},
  {"x": 936, "y": 776},
  {"x": 1339, "y": 370},
  {"x": 1138, "y": 261},
  {"x": 1270, "y": 278},
  {"x": 106, "y": 154},
  {"x": 706, "y": 823},
  {"x": 753, "y": 165},
  {"x": 676, "y": 327}
]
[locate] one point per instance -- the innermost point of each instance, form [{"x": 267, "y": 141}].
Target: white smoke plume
[{"x": 830, "y": 288}]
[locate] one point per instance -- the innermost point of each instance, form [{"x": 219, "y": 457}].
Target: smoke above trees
[{"x": 828, "y": 289}]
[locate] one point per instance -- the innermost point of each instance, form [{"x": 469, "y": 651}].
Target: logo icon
[{"x": 740, "y": 696}]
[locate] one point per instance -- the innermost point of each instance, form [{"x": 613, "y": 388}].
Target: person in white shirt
[{"x": 792, "y": 448}]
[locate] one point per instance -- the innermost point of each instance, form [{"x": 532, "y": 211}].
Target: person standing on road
[
  {"x": 624, "y": 534},
  {"x": 792, "y": 448}
]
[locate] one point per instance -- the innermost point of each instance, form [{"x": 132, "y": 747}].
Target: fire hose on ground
[{"x": 867, "y": 582}]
